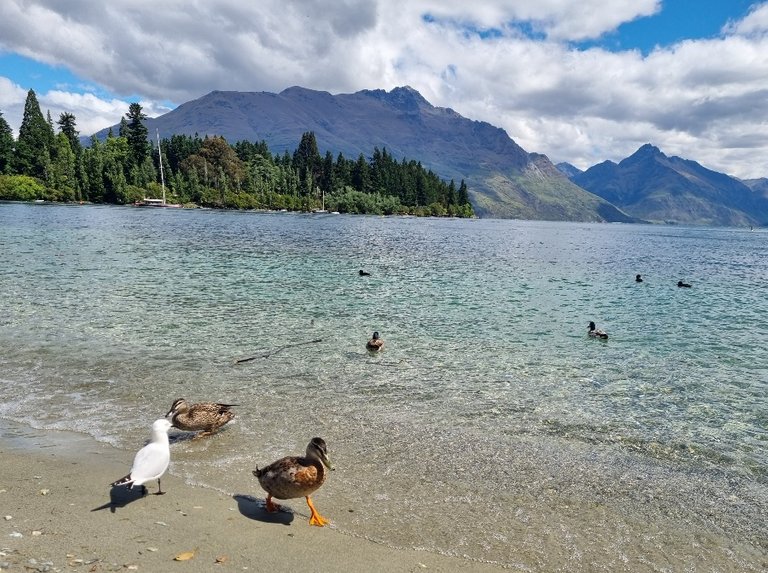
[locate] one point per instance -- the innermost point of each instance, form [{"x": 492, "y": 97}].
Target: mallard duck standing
[
  {"x": 375, "y": 343},
  {"x": 152, "y": 460},
  {"x": 204, "y": 417},
  {"x": 297, "y": 476},
  {"x": 595, "y": 332}
]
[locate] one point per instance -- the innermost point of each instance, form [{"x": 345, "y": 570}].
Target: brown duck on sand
[{"x": 297, "y": 476}]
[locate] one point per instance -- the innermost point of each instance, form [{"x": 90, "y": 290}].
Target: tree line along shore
[{"x": 48, "y": 162}]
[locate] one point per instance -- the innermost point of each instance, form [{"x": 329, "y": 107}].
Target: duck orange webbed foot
[
  {"x": 315, "y": 518},
  {"x": 318, "y": 520}
]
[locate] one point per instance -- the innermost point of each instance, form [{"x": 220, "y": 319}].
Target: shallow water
[{"x": 491, "y": 427}]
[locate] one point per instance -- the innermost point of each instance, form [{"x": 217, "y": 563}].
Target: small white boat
[
  {"x": 322, "y": 209},
  {"x": 147, "y": 202}
]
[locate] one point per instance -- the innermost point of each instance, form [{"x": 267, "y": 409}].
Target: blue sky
[
  {"x": 578, "y": 81},
  {"x": 42, "y": 77},
  {"x": 678, "y": 20}
]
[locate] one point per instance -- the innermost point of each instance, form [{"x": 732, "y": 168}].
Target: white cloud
[
  {"x": 505, "y": 62},
  {"x": 756, "y": 22}
]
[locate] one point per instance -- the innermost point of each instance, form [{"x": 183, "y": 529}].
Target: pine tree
[
  {"x": 36, "y": 141},
  {"x": 450, "y": 197},
  {"x": 463, "y": 197},
  {"x": 326, "y": 180},
  {"x": 136, "y": 134},
  {"x": 361, "y": 175},
  {"x": 94, "y": 188},
  {"x": 63, "y": 169},
  {"x": 67, "y": 126},
  {"x": 307, "y": 159},
  {"x": 6, "y": 145}
]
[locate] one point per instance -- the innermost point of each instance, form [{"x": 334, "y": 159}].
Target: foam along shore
[{"x": 58, "y": 513}]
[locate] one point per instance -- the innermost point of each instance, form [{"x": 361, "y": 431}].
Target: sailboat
[
  {"x": 322, "y": 204},
  {"x": 147, "y": 202}
]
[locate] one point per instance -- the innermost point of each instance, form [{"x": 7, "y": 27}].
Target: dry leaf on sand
[{"x": 185, "y": 556}]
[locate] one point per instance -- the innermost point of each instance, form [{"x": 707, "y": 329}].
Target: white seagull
[{"x": 152, "y": 460}]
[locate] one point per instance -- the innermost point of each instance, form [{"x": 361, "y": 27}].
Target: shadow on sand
[
  {"x": 254, "y": 508},
  {"x": 120, "y": 496}
]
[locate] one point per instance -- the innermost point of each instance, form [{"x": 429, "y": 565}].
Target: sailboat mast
[{"x": 160, "y": 158}]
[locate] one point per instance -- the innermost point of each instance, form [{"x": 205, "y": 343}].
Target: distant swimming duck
[
  {"x": 375, "y": 343},
  {"x": 205, "y": 417},
  {"x": 595, "y": 333},
  {"x": 638, "y": 279},
  {"x": 295, "y": 476},
  {"x": 151, "y": 461},
  {"x": 683, "y": 285},
  {"x": 364, "y": 273}
]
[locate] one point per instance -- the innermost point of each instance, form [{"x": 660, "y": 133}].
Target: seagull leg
[
  {"x": 315, "y": 518},
  {"x": 159, "y": 491}
]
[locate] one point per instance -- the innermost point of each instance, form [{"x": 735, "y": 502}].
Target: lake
[{"x": 491, "y": 427}]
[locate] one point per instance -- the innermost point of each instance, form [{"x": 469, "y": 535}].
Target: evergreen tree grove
[{"x": 210, "y": 172}]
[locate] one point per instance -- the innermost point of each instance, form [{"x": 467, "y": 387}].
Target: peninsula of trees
[{"x": 209, "y": 172}]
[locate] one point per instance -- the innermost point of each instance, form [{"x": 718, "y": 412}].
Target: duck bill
[{"x": 327, "y": 463}]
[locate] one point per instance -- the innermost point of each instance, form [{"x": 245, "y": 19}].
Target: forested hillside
[{"x": 47, "y": 162}]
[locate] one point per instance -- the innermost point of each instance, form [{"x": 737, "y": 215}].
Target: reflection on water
[{"x": 491, "y": 427}]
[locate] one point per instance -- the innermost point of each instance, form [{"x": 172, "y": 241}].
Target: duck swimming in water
[
  {"x": 204, "y": 417},
  {"x": 375, "y": 343},
  {"x": 364, "y": 273},
  {"x": 295, "y": 476},
  {"x": 638, "y": 279},
  {"x": 595, "y": 332},
  {"x": 681, "y": 284}
]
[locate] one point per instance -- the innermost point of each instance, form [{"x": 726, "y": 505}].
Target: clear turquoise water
[{"x": 490, "y": 428}]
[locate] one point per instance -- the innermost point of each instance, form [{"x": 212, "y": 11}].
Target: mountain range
[
  {"x": 504, "y": 180},
  {"x": 661, "y": 189}
]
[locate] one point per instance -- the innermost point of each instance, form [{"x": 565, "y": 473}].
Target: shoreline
[{"x": 54, "y": 486}]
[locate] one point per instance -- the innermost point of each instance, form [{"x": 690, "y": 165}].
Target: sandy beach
[{"x": 58, "y": 513}]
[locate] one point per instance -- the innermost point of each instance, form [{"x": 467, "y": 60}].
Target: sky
[{"x": 581, "y": 82}]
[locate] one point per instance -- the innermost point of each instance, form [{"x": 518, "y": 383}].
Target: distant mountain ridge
[
  {"x": 652, "y": 186},
  {"x": 504, "y": 180},
  {"x": 759, "y": 186},
  {"x": 568, "y": 170}
]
